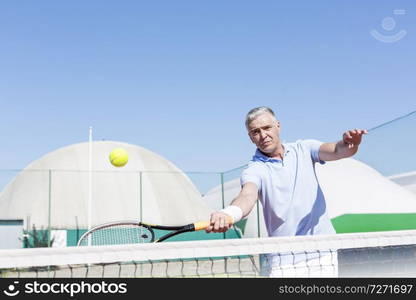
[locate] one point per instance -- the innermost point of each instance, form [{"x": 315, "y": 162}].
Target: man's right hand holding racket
[
  {"x": 220, "y": 222},
  {"x": 240, "y": 207}
]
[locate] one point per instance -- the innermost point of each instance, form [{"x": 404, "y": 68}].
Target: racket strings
[{"x": 118, "y": 235}]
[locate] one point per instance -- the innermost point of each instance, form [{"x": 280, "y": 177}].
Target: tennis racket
[{"x": 131, "y": 232}]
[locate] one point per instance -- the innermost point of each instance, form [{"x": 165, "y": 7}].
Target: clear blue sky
[{"x": 177, "y": 77}]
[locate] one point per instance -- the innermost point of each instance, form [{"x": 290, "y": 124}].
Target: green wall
[{"x": 350, "y": 223}]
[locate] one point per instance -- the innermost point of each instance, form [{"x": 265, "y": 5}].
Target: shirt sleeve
[
  {"x": 313, "y": 147},
  {"x": 251, "y": 174}
]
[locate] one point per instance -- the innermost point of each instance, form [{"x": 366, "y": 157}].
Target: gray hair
[{"x": 257, "y": 111}]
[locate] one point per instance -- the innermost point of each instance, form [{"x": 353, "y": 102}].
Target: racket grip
[
  {"x": 201, "y": 225},
  {"x": 205, "y": 224}
]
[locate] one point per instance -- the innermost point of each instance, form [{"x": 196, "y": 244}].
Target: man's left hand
[{"x": 352, "y": 138}]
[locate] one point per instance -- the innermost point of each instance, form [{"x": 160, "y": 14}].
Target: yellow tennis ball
[{"x": 119, "y": 157}]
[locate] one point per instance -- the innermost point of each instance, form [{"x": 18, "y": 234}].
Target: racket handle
[
  {"x": 201, "y": 225},
  {"x": 205, "y": 224}
]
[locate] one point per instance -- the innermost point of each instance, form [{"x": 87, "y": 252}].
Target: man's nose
[{"x": 263, "y": 134}]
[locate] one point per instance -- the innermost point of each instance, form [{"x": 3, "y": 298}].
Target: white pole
[{"x": 90, "y": 181}]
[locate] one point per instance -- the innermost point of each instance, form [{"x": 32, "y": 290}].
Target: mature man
[{"x": 282, "y": 176}]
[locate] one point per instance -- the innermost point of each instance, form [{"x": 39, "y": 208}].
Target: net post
[
  {"x": 49, "y": 206},
  {"x": 141, "y": 195},
  {"x": 222, "y": 196}
]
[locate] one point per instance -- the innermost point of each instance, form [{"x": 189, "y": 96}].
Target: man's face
[{"x": 264, "y": 132}]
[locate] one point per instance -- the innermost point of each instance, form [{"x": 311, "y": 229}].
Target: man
[{"x": 283, "y": 177}]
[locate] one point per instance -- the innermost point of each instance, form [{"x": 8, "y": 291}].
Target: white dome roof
[
  {"x": 349, "y": 186},
  {"x": 352, "y": 187},
  {"x": 405, "y": 180},
  {"x": 168, "y": 196}
]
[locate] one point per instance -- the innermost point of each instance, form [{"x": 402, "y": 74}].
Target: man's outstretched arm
[{"x": 346, "y": 147}]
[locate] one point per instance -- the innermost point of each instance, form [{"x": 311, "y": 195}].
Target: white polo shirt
[{"x": 293, "y": 202}]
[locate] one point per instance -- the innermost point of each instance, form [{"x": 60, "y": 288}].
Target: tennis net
[{"x": 375, "y": 254}]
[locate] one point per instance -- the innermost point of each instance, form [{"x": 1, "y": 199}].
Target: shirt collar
[{"x": 259, "y": 156}]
